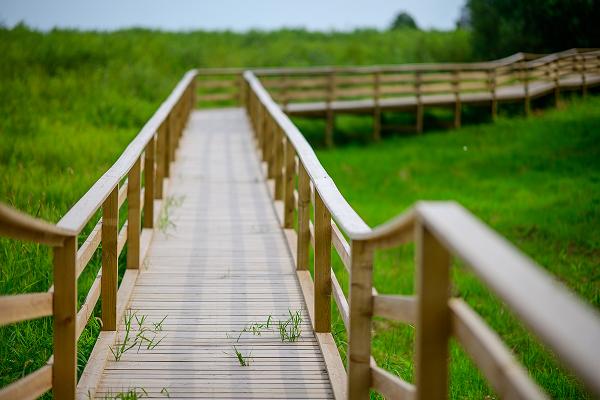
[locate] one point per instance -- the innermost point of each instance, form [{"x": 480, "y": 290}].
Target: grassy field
[
  {"x": 536, "y": 181},
  {"x": 71, "y": 101}
]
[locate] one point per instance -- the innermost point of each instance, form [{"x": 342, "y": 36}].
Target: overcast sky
[{"x": 225, "y": 14}]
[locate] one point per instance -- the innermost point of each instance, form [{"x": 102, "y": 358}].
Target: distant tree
[
  {"x": 404, "y": 21},
  {"x": 503, "y": 27},
  {"x": 464, "y": 19}
]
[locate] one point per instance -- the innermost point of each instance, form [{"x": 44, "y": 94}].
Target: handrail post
[
  {"x": 303, "y": 242},
  {"x": 64, "y": 369},
  {"x": 493, "y": 84},
  {"x": 161, "y": 142},
  {"x": 419, "y": 115},
  {"x": 278, "y": 155},
  {"x": 289, "y": 174},
  {"x": 322, "y": 265},
  {"x": 110, "y": 233},
  {"x": 329, "y": 112},
  {"x": 556, "y": 77},
  {"x": 359, "y": 331},
  {"x": 134, "y": 215},
  {"x": 457, "y": 104},
  {"x": 271, "y": 145},
  {"x": 376, "y": 108},
  {"x": 583, "y": 77},
  {"x": 525, "y": 75},
  {"x": 432, "y": 285},
  {"x": 168, "y": 145},
  {"x": 149, "y": 180}
]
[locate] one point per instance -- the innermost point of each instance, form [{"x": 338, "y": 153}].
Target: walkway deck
[{"x": 222, "y": 264}]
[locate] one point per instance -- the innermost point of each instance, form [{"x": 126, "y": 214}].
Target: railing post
[
  {"x": 556, "y": 83},
  {"x": 110, "y": 233},
  {"x": 419, "y": 115},
  {"x": 583, "y": 77},
  {"x": 330, "y": 123},
  {"x": 433, "y": 318},
  {"x": 457, "y": 104},
  {"x": 377, "y": 108},
  {"x": 359, "y": 331},
  {"x": 64, "y": 370},
  {"x": 134, "y": 215},
  {"x": 303, "y": 218},
  {"x": 149, "y": 180},
  {"x": 278, "y": 161},
  {"x": 525, "y": 73},
  {"x": 168, "y": 145},
  {"x": 288, "y": 196},
  {"x": 493, "y": 84},
  {"x": 161, "y": 143},
  {"x": 322, "y": 266}
]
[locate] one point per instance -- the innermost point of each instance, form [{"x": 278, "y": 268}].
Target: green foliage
[
  {"x": 534, "y": 180},
  {"x": 404, "y": 21},
  {"x": 504, "y": 27}
]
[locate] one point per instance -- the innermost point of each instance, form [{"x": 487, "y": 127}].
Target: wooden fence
[
  {"x": 149, "y": 155},
  {"x": 440, "y": 230},
  {"x": 324, "y": 91}
]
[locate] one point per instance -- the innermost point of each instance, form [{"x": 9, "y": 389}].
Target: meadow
[{"x": 71, "y": 101}]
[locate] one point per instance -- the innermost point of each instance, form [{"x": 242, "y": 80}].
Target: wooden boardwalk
[{"x": 222, "y": 264}]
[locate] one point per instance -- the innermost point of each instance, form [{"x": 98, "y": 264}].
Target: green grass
[
  {"x": 536, "y": 181},
  {"x": 71, "y": 101}
]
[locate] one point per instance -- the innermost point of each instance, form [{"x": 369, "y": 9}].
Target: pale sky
[{"x": 238, "y": 15}]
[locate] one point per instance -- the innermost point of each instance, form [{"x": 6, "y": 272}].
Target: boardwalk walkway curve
[{"x": 223, "y": 206}]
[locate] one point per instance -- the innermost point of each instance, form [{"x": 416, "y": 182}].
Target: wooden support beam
[
  {"x": 134, "y": 214},
  {"x": 361, "y": 311},
  {"x": 64, "y": 376},
  {"x": 433, "y": 316},
  {"x": 149, "y": 180},
  {"x": 377, "y": 108},
  {"x": 303, "y": 218},
  {"x": 161, "y": 144},
  {"x": 110, "y": 221},
  {"x": 289, "y": 182},
  {"x": 322, "y": 266}
]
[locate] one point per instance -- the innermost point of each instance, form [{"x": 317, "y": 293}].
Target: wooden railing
[
  {"x": 386, "y": 83},
  {"x": 149, "y": 155},
  {"x": 441, "y": 231}
]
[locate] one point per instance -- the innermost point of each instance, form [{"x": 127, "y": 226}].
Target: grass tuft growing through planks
[
  {"x": 165, "y": 222},
  {"x": 142, "y": 337}
]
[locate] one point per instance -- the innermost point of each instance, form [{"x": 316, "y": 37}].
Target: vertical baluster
[
  {"x": 149, "y": 180},
  {"x": 288, "y": 197},
  {"x": 433, "y": 317},
  {"x": 493, "y": 83},
  {"x": 322, "y": 266},
  {"x": 330, "y": 123},
  {"x": 359, "y": 331},
  {"x": 64, "y": 370},
  {"x": 457, "y": 104},
  {"x": 419, "y": 102},
  {"x": 161, "y": 144},
  {"x": 303, "y": 218},
  {"x": 377, "y": 108},
  {"x": 110, "y": 232},
  {"x": 134, "y": 215},
  {"x": 278, "y": 161}
]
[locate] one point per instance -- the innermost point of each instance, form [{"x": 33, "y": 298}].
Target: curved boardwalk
[{"x": 220, "y": 263}]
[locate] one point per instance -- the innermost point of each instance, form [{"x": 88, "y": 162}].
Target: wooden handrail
[
  {"x": 441, "y": 230},
  {"x": 158, "y": 138},
  {"x": 18, "y": 225},
  {"x": 78, "y": 216}
]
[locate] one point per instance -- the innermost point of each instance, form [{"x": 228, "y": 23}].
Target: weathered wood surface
[{"x": 220, "y": 263}]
